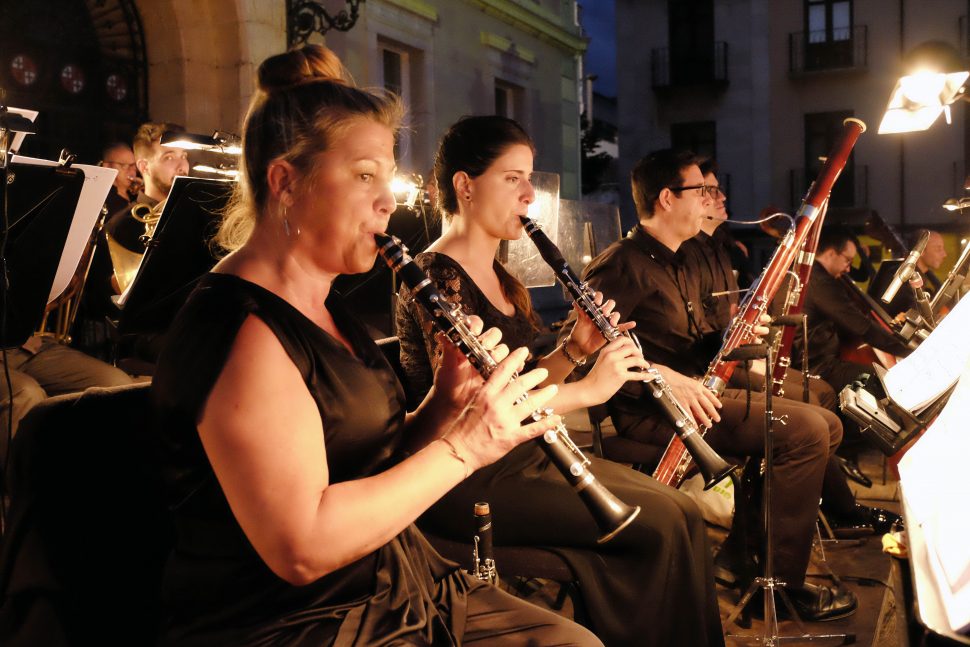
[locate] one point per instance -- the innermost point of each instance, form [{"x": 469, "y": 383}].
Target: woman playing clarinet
[
  {"x": 293, "y": 472},
  {"x": 652, "y": 583}
]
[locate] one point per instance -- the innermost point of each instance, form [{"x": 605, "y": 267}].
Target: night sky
[{"x": 599, "y": 21}]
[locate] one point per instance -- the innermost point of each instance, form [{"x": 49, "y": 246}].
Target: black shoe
[
  {"x": 853, "y": 472},
  {"x": 863, "y": 520},
  {"x": 819, "y": 603}
]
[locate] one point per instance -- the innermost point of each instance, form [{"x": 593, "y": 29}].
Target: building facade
[
  {"x": 194, "y": 61},
  {"x": 765, "y": 85}
]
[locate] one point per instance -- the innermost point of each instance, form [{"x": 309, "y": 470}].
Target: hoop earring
[{"x": 283, "y": 218}]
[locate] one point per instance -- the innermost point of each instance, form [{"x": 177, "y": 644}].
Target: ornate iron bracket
[{"x": 306, "y": 17}]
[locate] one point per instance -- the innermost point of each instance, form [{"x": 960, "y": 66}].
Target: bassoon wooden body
[{"x": 676, "y": 461}]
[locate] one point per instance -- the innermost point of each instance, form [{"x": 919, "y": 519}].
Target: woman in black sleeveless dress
[
  {"x": 292, "y": 482},
  {"x": 650, "y": 585}
]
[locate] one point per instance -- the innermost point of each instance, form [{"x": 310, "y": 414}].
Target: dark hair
[
  {"x": 835, "y": 237},
  {"x": 471, "y": 145},
  {"x": 708, "y": 166},
  {"x": 655, "y": 172},
  {"x": 302, "y": 103}
]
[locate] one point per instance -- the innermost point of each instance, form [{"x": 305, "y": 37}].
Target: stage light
[
  {"x": 217, "y": 142},
  {"x": 935, "y": 77},
  {"x": 406, "y": 189}
]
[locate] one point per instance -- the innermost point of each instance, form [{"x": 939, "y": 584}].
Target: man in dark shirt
[
  {"x": 929, "y": 261},
  {"x": 833, "y": 317},
  {"x": 647, "y": 275}
]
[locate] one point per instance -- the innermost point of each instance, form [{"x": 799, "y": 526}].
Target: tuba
[{"x": 125, "y": 261}]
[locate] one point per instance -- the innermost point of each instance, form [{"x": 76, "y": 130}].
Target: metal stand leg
[{"x": 769, "y": 585}]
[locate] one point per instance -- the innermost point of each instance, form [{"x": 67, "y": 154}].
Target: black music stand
[
  {"x": 40, "y": 202},
  {"x": 179, "y": 253},
  {"x": 768, "y": 583}
]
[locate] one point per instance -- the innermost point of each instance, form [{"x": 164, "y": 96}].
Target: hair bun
[{"x": 308, "y": 64}]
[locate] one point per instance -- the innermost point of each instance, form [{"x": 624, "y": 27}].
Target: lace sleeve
[{"x": 420, "y": 352}]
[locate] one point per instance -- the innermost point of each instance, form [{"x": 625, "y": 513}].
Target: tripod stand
[{"x": 768, "y": 584}]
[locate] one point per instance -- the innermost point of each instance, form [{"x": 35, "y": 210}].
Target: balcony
[
  {"x": 812, "y": 52},
  {"x": 702, "y": 67},
  {"x": 851, "y": 190}
]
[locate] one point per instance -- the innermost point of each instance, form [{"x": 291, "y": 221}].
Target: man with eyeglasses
[
  {"x": 648, "y": 275},
  {"x": 119, "y": 156},
  {"x": 833, "y": 317}
]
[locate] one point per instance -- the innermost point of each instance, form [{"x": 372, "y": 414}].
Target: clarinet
[
  {"x": 483, "y": 555},
  {"x": 713, "y": 468},
  {"x": 675, "y": 460},
  {"x": 610, "y": 514}
]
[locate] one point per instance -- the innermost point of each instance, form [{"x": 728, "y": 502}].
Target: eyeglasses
[
  {"x": 711, "y": 191},
  {"x": 120, "y": 164}
]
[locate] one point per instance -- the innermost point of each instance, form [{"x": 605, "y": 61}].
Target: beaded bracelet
[{"x": 567, "y": 355}]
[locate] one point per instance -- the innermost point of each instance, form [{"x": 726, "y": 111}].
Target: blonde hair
[{"x": 303, "y": 101}]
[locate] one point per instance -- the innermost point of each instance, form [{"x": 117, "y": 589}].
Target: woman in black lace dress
[
  {"x": 294, "y": 474},
  {"x": 651, "y": 584}
]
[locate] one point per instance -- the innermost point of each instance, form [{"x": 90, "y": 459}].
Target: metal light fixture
[
  {"x": 218, "y": 142},
  {"x": 407, "y": 189},
  {"x": 954, "y": 204},
  {"x": 307, "y": 17},
  {"x": 935, "y": 76}
]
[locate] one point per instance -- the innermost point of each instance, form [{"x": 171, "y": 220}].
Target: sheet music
[
  {"x": 935, "y": 365},
  {"x": 937, "y": 496},
  {"x": 97, "y": 183},
  {"x": 18, "y": 138}
]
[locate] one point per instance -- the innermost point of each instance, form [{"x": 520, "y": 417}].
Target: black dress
[
  {"x": 217, "y": 590},
  {"x": 650, "y": 585}
]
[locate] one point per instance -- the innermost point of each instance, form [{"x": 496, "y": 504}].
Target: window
[
  {"x": 828, "y": 34},
  {"x": 697, "y": 136},
  {"x": 691, "y": 34},
  {"x": 508, "y": 100},
  {"x": 822, "y": 129},
  {"x": 396, "y": 78}
]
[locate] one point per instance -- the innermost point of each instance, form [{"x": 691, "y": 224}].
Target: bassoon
[
  {"x": 794, "y": 302},
  {"x": 676, "y": 461},
  {"x": 712, "y": 466},
  {"x": 610, "y": 514}
]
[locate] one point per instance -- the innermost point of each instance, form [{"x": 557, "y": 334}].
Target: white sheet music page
[
  {"x": 935, "y": 365},
  {"x": 97, "y": 183},
  {"x": 936, "y": 492}
]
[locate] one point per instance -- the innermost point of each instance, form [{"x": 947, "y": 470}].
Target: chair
[
  {"x": 88, "y": 532},
  {"x": 642, "y": 456}
]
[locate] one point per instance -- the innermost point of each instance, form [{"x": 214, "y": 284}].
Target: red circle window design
[
  {"x": 117, "y": 87},
  {"x": 72, "y": 78},
  {"x": 23, "y": 69}
]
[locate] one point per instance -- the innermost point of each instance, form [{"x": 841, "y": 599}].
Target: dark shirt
[
  {"x": 904, "y": 299},
  {"x": 833, "y": 318},
  {"x": 653, "y": 286},
  {"x": 710, "y": 262}
]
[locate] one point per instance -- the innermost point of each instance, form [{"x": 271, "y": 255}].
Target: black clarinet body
[
  {"x": 611, "y": 514},
  {"x": 713, "y": 468},
  {"x": 484, "y": 555}
]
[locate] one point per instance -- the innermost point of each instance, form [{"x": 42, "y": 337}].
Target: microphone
[
  {"x": 922, "y": 301},
  {"x": 905, "y": 271}
]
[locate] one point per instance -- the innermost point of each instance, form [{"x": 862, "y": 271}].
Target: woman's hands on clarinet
[
  {"x": 618, "y": 363},
  {"x": 692, "y": 394},
  {"x": 586, "y": 337},
  {"x": 489, "y": 423}
]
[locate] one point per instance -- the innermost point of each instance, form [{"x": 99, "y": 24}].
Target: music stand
[
  {"x": 768, "y": 583},
  {"x": 40, "y": 202},
  {"x": 179, "y": 253}
]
